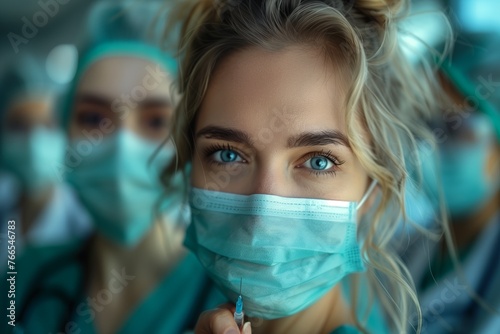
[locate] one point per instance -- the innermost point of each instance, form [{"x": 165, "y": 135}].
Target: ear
[{"x": 492, "y": 169}]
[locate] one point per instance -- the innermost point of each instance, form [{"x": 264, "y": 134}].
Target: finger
[
  {"x": 217, "y": 321},
  {"x": 228, "y": 306},
  {"x": 247, "y": 328}
]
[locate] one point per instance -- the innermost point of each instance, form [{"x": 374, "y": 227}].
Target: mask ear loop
[{"x": 367, "y": 194}]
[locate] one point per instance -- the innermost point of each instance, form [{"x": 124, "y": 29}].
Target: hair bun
[{"x": 379, "y": 10}]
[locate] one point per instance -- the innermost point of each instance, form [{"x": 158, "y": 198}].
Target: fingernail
[{"x": 247, "y": 328}]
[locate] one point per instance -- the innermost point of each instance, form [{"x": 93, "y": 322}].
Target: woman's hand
[{"x": 220, "y": 321}]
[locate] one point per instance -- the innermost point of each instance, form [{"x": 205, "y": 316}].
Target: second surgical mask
[
  {"x": 120, "y": 186},
  {"x": 34, "y": 158}
]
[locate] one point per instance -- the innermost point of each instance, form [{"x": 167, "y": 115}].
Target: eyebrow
[
  {"x": 94, "y": 99},
  {"x": 320, "y": 138},
  {"x": 151, "y": 102},
  {"x": 155, "y": 102},
  {"x": 221, "y": 133}
]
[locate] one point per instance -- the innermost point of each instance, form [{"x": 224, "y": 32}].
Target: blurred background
[
  {"x": 62, "y": 29},
  {"x": 44, "y": 42},
  {"x": 54, "y": 31}
]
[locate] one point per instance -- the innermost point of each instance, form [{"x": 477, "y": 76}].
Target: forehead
[
  {"x": 114, "y": 76},
  {"x": 31, "y": 108},
  {"x": 250, "y": 87}
]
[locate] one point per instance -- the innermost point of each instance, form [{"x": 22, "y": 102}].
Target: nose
[
  {"x": 130, "y": 121},
  {"x": 271, "y": 179}
]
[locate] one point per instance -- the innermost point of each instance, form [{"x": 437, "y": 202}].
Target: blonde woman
[{"x": 296, "y": 117}]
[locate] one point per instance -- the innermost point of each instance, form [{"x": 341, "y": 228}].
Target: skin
[
  {"x": 149, "y": 261},
  {"x": 23, "y": 116},
  {"x": 106, "y": 82},
  {"x": 301, "y": 97}
]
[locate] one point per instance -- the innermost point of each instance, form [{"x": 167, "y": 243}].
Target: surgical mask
[
  {"x": 288, "y": 252},
  {"x": 465, "y": 185},
  {"x": 120, "y": 185},
  {"x": 421, "y": 200},
  {"x": 420, "y": 208},
  {"x": 34, "y": 158}
]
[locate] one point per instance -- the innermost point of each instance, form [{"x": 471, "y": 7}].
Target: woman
[
  {"x": 296, "y": 116},
  {"x": 132, "y": 276},
  {"x": 465, "y": 300},
  {"x": 45, "y": 209}
]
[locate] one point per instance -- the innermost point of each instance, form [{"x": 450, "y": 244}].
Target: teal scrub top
[
  {"x": 374, "y": 321},
  {"x": 346, "y": 330},
  {"x": 172, "y": 307},
  {"x": 447, "y": 306},
  {"x": 54, "y": 275}
]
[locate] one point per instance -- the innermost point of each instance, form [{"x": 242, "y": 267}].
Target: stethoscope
[{"x": 40, "y": 291}]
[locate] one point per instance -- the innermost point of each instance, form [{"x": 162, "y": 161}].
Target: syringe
[{"x": 238, "y": 314}]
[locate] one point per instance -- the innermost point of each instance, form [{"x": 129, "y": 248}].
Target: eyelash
[
  {"x": 336, "y": 162},
  {"x": 208, "y": 151}
]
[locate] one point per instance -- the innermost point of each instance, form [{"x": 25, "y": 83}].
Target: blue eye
[
  {"x": 89, "y": 118},
  {"x": 319, "y": 163},
  {"x": 227, "y": 156},
  {"x": 157, "y": 123}
]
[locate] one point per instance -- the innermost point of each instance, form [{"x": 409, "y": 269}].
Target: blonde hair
[{"x": 387, "y": 100}]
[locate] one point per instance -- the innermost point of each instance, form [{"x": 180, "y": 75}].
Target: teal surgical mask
[
  {"x": 465, "y": 185},
  {"x": 289, "y": 252},
  {"x": 120, "y": 185},
  {"x": 421, "y": 197},
  {"x": 421, "y": 209},
  {"x": 34, "y": 157}
]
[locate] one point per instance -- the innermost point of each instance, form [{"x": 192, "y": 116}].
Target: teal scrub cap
[
  {"x": 24, "y": 76},
  {"x": 115, "y": 49},
  {"x": 466, "y": 88}
]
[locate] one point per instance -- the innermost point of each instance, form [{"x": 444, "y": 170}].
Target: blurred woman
[
  {"x": 464, "y": 299},
  {"x": 32, "y": 146},
  {"x": 132, "y": 276}
]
